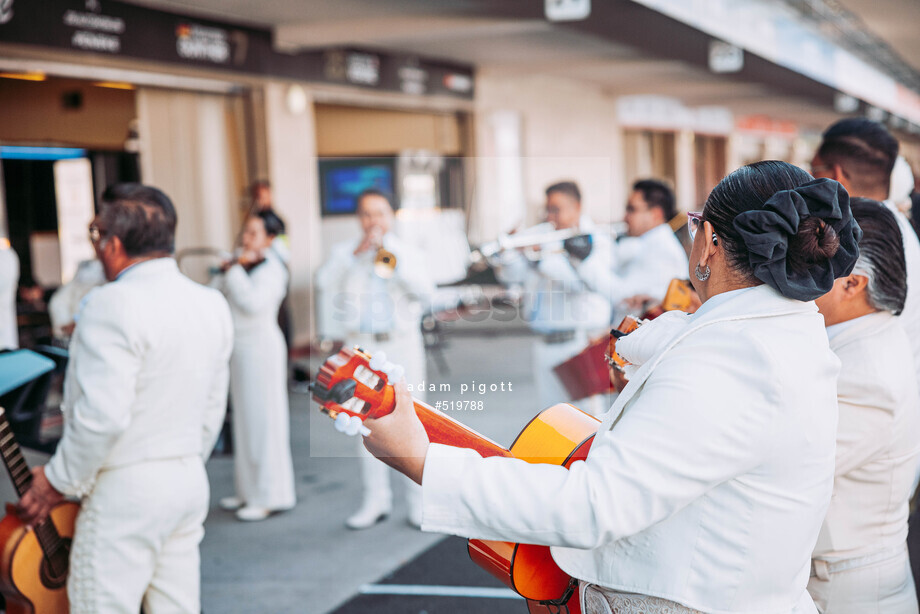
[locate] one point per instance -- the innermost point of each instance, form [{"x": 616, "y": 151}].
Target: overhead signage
[{"x": 114, "y": 28}]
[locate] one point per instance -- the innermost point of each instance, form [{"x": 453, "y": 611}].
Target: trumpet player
[
  {"x": 370, "y": 292},
  {"x": 557, "y": 304},
  {"x": 642, "y": 263}
]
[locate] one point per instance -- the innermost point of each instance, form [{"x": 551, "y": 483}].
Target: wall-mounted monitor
[{"x": 341, "y": 180}]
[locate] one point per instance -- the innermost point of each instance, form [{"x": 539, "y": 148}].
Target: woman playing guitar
[{"x": 707, "y": 483}]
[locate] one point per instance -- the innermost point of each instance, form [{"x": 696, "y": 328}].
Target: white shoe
[
  {"x": 415, "y": 517},
  {"x": 369, "y": 514},
  {"x": 231, "y": 503},
  {"x": 252, "y": 514}
]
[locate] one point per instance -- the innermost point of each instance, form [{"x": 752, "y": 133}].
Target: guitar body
[
  {"x": 559, "y": 435},
  {"x": 26, "y": 579}
]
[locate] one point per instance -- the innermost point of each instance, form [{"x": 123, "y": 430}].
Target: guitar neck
[
  {"x": 13, "y": 459},
  {"x": 443, "y": 429}
]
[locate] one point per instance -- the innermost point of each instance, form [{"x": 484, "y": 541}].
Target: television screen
[{"x": 343, "y": 179}]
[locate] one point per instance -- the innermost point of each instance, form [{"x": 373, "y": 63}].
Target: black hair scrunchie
[{"x": 766, "y": 233}]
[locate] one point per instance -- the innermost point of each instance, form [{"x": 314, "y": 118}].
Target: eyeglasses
[
  {"x": 694, "y": 221},
  {"x": 95, "y": 234}
]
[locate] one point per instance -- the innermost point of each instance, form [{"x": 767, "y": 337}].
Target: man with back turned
[{"x": 144, "y": 399}]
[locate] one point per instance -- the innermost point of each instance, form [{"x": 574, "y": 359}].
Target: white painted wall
[{"x": 568, "y": 130}]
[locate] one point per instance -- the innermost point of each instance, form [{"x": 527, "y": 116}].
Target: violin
[{"x": 248, "y": 265}]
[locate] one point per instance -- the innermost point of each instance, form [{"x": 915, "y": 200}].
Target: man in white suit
[
  {"x": 378, "y": 308},
  {"x": 646, "y": 260},
  {"x": 557, "y": 304},
  {"x": 145, "y": 395},
  {"x": 860, "y": 562},
  {"x": 861, "y": 154}
]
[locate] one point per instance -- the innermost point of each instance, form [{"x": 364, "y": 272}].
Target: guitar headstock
[{"x": 353, "y": 382}]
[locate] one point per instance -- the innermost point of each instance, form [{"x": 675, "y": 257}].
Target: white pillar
[
  {"x": 685, "y": 171},
  {"x": 292, "y": 171}
]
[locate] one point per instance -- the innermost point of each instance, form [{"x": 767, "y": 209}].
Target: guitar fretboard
[
  {"x": 13, "y": 459},
  {"x": 48, "y": 537}
]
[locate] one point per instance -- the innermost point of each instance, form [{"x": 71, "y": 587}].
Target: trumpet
[
  {"x": 384, "y": 263},
  {"x": 550, "y": 241}
]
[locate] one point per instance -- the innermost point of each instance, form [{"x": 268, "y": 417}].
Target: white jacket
[
  {"x": 639, "y": 265},
  {"x": 910, "y": 317},
  {"x": 147, "y": 376},
  {"x": 9, "y": 283},
  {"x": 344, "y": 281},
  {"x": 710, "y": 490},
  {"x": 555, "y": 297},
  {"x": 256, "y": 296},
  {"x": 877, "y": 444}
]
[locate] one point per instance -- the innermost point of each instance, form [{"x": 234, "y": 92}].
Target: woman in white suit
[
  {"x": 707, "y": 483},
  {"x": 255, "y": 284},
  {"x": 860, "y": 562}
]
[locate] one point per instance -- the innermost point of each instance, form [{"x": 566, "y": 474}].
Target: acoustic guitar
[
  {"x": 559, "y": 435},
  {"x": 33, "y": 561}
]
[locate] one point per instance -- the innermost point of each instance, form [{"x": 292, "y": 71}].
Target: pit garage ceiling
[
  {"x": 511, "y": 36},
  {"x": 897, "y": 22}
]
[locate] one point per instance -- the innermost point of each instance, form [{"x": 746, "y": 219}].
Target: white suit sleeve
[
  {"x": 216, "y": 408},
  {"x": 513, "y": 268},
  {"x": 60, "y": 308},
  {"x": 105, "y": 362},
  {"x": 660, "y": 457},
  {"x": 411, "y": 273},
  {"x": 649, "y": 273},
  {"x": 332, "y": 272},
  {"x": 254, "y": 292},
  {"x": 598, "y": 274}
]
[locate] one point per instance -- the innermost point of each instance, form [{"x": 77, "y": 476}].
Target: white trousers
[
  {"x": 409, "y": 352},
  {"x": 136, "y": 540},
  {"x": 886, "y": 587}
]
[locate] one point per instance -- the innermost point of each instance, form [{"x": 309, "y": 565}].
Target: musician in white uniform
[
  {"x": 255, "y": 284},
  {"x": 144, "y": 399},
  {"x": 557, "y": 304},
  {"x": 860, "y": 154},
  {"x": 379, "y": 309},
  {"x": 644, "y": 262},
  {"x": 9, "y": 282},
  {"x": 64, "y": 306},
  {"x": 708, "y": 481},
  {"x": 860, "y": 562}
]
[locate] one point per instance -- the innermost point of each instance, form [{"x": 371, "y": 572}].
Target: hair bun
[
  {"x": 814, "y": 242},
  {"x": 802, "y": 239}
]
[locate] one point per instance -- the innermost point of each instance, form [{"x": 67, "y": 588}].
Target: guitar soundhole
[{"x": 53, "y": 571}]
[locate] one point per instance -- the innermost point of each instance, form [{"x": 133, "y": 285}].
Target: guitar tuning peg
[
  {"x": 341, "y": 422},
  {"x": 394, "y": 373},
  {"x": 377, "y": 361}
]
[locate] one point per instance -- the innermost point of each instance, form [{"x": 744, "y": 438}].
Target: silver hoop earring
[{"x": 702, "y": 275}]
